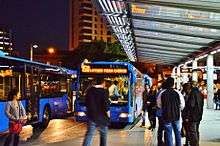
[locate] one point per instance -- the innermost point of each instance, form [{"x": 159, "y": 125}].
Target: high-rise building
[
  {"x": 86, "y": 24},
  {"x": 5, "y": 41}
]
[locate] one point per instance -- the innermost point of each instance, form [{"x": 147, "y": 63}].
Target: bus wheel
[{"x": 46, "y": 117}]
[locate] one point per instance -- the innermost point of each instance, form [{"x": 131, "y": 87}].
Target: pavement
[{"x": 140, "y": 136}]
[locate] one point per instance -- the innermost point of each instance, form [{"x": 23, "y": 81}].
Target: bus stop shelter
[{"x": 169, "y": 32}]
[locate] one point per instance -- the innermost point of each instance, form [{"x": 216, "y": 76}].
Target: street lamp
[
  {"x": 31, "y": 51},
  {"x": 51, "y": 50}
]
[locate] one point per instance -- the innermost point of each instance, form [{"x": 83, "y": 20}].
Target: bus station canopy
[{"x": 163, "y": 31}]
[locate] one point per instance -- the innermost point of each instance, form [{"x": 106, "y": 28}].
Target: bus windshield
[{"x": 117, "y": 87}]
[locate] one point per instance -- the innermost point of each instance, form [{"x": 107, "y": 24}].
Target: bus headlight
[
  {"x": 123, "y": 115},
  {"x": 81, "y": 114}
]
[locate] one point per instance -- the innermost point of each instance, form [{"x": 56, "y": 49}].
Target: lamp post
[{"x": 31, "y": 51}]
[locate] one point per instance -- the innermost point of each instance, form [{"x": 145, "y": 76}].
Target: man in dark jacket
[
  {"x": 97, "y": 104},
  {"x": 194, "y": 112},
  {"x": 171, "y": 103}
]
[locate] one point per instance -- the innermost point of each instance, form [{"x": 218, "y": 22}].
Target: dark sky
[{"x": 44, "y": 22}]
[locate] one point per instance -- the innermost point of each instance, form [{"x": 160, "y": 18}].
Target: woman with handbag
[{"x": 17, "y": 117}]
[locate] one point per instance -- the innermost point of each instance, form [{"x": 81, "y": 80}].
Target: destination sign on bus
[{"x": 88, "y": 69}]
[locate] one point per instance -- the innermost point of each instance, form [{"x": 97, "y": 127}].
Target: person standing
[
  {"x": 17, "y": 116},
  {"x": 185, "y": 128},
  {"x": 151, "y": 104},
  {"x": 97, "y": 104},
  {"x": 160, "y": 132},
  {"x": 171, "y": 103},
  {"x": 144, "y": 108},
  {"x": 194, "y": 112},
  {"x": 113, "y": 91}
]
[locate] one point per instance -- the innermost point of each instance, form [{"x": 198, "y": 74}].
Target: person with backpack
[
  {"x": 171, "y": 102},
  {"x": 194, "y": 112}
]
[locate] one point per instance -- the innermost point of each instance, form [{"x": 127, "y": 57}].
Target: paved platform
[{"x": 139, "y": 136}]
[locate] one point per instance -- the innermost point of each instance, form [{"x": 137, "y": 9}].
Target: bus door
[{"x": 32, "y": 91}]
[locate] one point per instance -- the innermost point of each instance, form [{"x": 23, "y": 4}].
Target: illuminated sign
[
  {"x": 88, "y": 69},
  {"x": 4, "y": 73},
  {"x": 137, "y": 10}
]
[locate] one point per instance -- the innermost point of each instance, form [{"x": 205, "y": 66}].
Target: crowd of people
[
  {"x": 170, "y": 106},
  {"x": 165, "y": 103}
]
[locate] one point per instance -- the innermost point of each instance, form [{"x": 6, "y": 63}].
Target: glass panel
[
  {"x": 175, "y": 28},
  {"x": 167, "y": 43},
  {"x": 177, "y": 14},
  {"x": 172, "y": 36}
]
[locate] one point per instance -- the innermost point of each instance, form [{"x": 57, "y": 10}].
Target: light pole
[{"x": 31, "y": 51}]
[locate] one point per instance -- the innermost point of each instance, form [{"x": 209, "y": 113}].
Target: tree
[{"x": 99, "y": 51}]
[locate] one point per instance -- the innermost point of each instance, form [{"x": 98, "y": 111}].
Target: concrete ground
[{"x": 137, "y": 136}]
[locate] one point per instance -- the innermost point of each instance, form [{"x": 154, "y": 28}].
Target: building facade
[
  {"x": 86, "y": 24},
  {"x": 5, "y": 41}
]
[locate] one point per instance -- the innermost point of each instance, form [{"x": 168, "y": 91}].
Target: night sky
[{"x": 44, "y": 22}]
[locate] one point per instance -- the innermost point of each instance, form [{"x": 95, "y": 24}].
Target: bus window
[
  {"x": 8, "y": 82},
  {"x": 51, "y": 85}
]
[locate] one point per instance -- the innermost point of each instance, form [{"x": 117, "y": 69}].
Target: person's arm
[
  {"x": 23, "y": 112},
  {"x": 7, "y": 112},
  {"x": 182, "y": 100},
  {"x": 116, "y": 91},
  {"x": 107, "y": 103},
  {"x": 159, "y": 104}
]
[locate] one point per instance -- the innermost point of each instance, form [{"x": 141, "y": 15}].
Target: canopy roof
[{"x": 163, "y": 31}]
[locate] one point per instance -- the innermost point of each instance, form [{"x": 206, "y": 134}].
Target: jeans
[
  {"x": 9, "y": 139},
  {"x": 91, "y": 131},
  {"x": 169, "y": 127},
  {"x": 194, "y": 133}
]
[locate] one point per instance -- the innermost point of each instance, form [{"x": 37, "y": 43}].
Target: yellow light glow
[
  {"x": 51, "y": 50},
  {"x": 4, "y": 73},
  {"x": 137, "y": 10}
]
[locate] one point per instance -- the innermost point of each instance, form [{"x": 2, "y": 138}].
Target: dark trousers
[
  {"x": 187, "y": 133},
  {"x": 161, "y": 133},
  {"x": 152, "y": 117},
  {"x": 143, "y": 117},
  {"x": 10, "y": 137},
  {"x": 194, "y": 133}
]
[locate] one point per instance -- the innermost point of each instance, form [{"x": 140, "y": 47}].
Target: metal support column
[
  {"x": 178, "y": 78},
  {"x": 194, "y": 71},
  {"x": 210, "y": 81}
]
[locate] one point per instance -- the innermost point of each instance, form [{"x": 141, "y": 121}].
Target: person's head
[
  {"x": 186, "y": 87},
  {"x": 164, "y": 85},
  {"x": 115, "y": 82},
  {"x": 100, "y": 81},
  {"x": 194, "y": 84},
  {"x": 14, "y": 95},
  {"x": 170, "y": 82}
]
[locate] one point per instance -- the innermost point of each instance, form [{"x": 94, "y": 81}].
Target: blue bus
[
  {"x": 126, "y": 108},
  {"x": 47, "y": 91}
]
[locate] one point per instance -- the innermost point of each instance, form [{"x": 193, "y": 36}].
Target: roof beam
[
  {"x": 194, "y": 5},
  {"x": 155, "y": 61},
  {"x": 157, "y": 47},
  {"x": 179, "y": 33},
  {"x": 179, "y": 21},
  {"x": 159, "y": 58},
  {"x": 165, "y": 45},
  {"x": 149, "y": 54},
  {"x": 172, "y": 40},
  {"x": 161, "y": 52}
]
